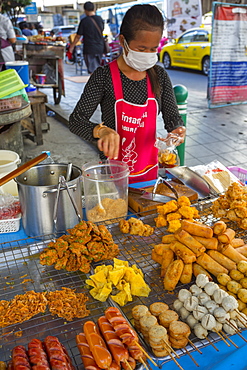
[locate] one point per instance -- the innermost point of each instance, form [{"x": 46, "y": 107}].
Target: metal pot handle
[
  {"x": 56, "y": 189},
  {"x": 65, "y": 184}
]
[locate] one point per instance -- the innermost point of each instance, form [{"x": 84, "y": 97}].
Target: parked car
[
  {"x": 63, "y": 31},
  {"x": 190, "y": 50}
]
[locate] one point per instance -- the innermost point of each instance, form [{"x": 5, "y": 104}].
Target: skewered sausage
[
  {"x": 37, "y": 355},
  {"x": 118, "y": 351},
  {"x": 20, "y": 359},
  {"x": 97, "y": 345},
  {"x": 86, "y": 355},
  {"x": 58, "y": 358}
]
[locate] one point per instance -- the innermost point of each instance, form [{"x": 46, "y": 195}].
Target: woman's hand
[
  {"x": 109, "y": 142},
  {"x": 176, "y": 137}
]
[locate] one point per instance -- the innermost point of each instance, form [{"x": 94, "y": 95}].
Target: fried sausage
[
  {"x": 227, "y": 236},
  {"x": 37, "y": 354},
  {"x": 183, "y": 252},
  {"x": 167, "y": 258},
  {"x": 197, "y": 229},
  {"x": 211, "y": 265},
  {"x": 115, "y": 345},
  {"x": 173, "y": 274},
  {"x": 185, "y": 238},
  {"x": 186, "y": 276},
  {"x": 198, "y": 269},
  {"x": 233, "y": 254},
  {"x": 222, "y": 260},
  {"x": 211, "y": 243},
  {"x": 3, "y": 366},
  {"x": 86, "y": 355},
  {"x": 97, "y": 345},
  {"x": 57, "y": 357},
  {"x": 219, "y": 227}
]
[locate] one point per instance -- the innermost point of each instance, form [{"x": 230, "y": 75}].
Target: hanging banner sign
[
  {"x": 182, "y": 15},
  {"x": 228, "y": 64},
  {"x": 31, "y": 9}
]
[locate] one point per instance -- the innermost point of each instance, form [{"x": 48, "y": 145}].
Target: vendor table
[{"x": 19, "y": 261}]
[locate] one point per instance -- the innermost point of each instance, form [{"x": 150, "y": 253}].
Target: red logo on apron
[{"x": 136, "y": 125}]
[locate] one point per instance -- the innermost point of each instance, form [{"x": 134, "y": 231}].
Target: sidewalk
[{"x": 219, "y": 133}]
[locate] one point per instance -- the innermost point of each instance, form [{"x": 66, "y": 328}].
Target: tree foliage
[{"x": 13, "y": 8}]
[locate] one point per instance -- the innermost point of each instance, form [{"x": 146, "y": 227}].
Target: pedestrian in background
[
  {"x": 25, "y": 30},
  {"x": 33, "y": 30},
  {"x": 131, "y": 91},
  {"x": 91, "y": 28},
  {"x": 7, "y": 39}
]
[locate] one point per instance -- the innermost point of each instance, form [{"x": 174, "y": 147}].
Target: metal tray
[{"x": 19, "y": 260}]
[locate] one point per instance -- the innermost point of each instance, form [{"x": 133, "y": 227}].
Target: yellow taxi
[{"x": 190, "y": 50}]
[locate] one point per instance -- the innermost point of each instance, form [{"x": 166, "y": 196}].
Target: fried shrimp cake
[
  {"x": 48, "y": 257},
  {"x": 61, "y": 263},
  {"x": 61, "y": 246}
]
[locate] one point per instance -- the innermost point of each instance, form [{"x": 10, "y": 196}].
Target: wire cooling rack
[{"x": 20, "y": 271}]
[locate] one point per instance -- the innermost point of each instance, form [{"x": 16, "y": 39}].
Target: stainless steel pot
[{"x": 38, "y": 188}]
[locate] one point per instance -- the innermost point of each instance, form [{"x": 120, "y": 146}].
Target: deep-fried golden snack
[
  {"x": 173, "y": 216},
  {"x": 183, "y": 201},
  {"x": 124, "y": 226},
  {"x": 186, "y": 212},
  {"x": 168, "y": 207},
  {"x": 173, "y": 274},
  {"x": 160, "y": 221},
  {"x": 174, "y": 225},
  {"x": 48, "y": 257}
]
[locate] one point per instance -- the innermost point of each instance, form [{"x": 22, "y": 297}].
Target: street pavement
[{"x": 218, "y": 133}]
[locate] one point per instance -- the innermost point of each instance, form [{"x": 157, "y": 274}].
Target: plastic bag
[
  {"x": 167, "y": 154},
  {"x": 9, "y": 206},
  {"x": 217, "y": 175},
  {"x": 50, "y": 73}
]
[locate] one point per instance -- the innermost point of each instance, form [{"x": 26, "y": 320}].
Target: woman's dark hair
[{"x": 143, "y": 17}]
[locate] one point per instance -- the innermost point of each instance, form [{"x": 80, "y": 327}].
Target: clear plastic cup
[{"x": 106, "y": 190}]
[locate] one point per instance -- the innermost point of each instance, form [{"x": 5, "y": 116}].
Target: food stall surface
[{"x": 21, "y": 272}]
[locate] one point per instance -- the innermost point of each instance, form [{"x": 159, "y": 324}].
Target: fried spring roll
[
  {"x": 227, "y": 236},
  {"x": 237, "y": 242},
  {"x": 233, "y": 254},
  {"x": 183, "y": 252},
  {"x": 173, "y": 274},
  {"x": 211, "y": 265},
  {"x": 159, "y": 248},
  {"x": 166, "y": 239},
  {"x": 198, "y": 269},
  {"x": 219, "y": 227},
  {"x": 242, "y": 250},
  {"x": 185, "y": 238},
  {"x": 195, "y": 228},
  {"x": 167, "y": 258},
  {"x": 222, "y": 260},
  {"x": 186, "y": 276},
  {"x": 211, "y": 243}
]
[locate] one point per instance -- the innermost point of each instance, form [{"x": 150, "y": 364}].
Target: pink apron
[{"x": 136, "y": 125}]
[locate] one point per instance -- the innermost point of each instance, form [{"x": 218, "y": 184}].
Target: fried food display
[
  {"x": 134, "y": 226},
  {"x": 85, "y": 243},
  {"x": 195, "y": 249},
  {"x": 232, "y": 205},
  {"x": 171, "y": 213},
  {"x": 129, "y": 280},
  {"x": 64, "y": 303}
]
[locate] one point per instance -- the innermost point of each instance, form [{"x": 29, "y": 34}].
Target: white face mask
[{"x": 140, "y": 61}]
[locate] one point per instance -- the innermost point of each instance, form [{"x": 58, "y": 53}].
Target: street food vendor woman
[{"x": 131, "y": 91}]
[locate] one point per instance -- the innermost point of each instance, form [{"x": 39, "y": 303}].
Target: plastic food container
[
  {"x": 105, "y": 190},
  {"x": 240, "y": 173},
  {"x": 10, "y": 82},
  {"x": 11, "y": 225},
  {"x": 40, "y": 78},
  {"x": 167, "y": 155}
]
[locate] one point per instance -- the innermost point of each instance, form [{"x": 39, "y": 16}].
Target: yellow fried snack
[
  {"x": 186, "y": 212},
  {"x": 160, "y": 221},
  {"x": 135, "y": 227},
  {"x": 183, "y": 201},
  {"x": 168, "y": 207},
  {"x": 173, "y": 216},
  {"x": 174, "y": 225},
  {"x": 129, "y": 280}
]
